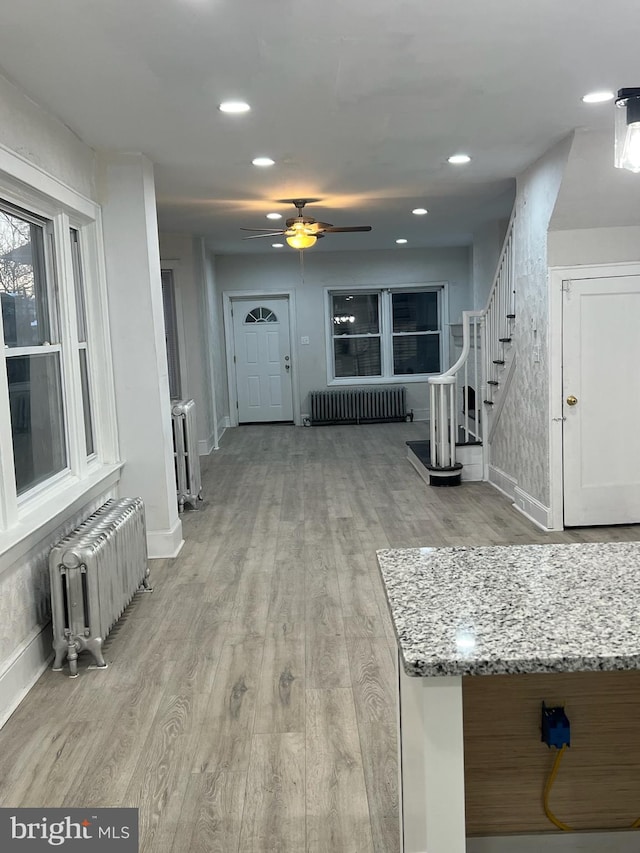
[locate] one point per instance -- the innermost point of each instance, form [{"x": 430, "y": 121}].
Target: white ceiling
[{"x": 359, "y": 101}]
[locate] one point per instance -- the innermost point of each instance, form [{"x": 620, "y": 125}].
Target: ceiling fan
[{"x": 301, "y": 232}]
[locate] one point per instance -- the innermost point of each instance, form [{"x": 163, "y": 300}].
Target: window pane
[
  {"x": 415, "y": 312},
  {"x": 416, "y": 354},
  {"x": 35, "y": 397},
  {"x": 355, "y": 314},
  {"x": 79, "y": 286},
  {"x": 357, "y": 356},
  {"x": 86, "y": 402},
  {"x": 23, "y": 290}
]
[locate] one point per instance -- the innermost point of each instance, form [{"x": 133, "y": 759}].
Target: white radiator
[
  {"x": 359, "y": 405},
  {"x": 185, "y": 453},
  {"x": 94, "y": 573}
]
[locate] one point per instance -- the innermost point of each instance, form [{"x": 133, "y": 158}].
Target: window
[
  {"x": 31, "y": 348},
  {"x": 261, "y": 315},
  {"x": 386, "y": 333}
]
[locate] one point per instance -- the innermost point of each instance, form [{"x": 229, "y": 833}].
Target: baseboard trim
[
  {"x": 503, "y": 482},
  {"x": 165, "y": 544},
  {"x": 205, "y": 446},
  {"x": 557, "y": 842},
  {"x": 535, "y": 511},
  {"x": 23, "y": 669}
]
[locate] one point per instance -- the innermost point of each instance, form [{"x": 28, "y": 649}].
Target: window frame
[
  {"x": 386, "y": 333},
  {"x": 35, "y": 193}
]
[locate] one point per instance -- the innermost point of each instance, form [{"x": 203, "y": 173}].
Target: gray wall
[{"x": 283, "y": 271}]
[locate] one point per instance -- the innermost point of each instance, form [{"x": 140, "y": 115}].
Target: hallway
[{"x": 249, "y": 702}]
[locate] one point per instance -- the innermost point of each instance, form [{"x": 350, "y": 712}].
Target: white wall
[
  {"x": 184, "y": 254},
  {"x": 586, "y": 246},
  {"x": 487, "y": 243},
  {"x": 41, "y": 138},
  {"x": 215, "y": 345},
  {"x": 521, "y": 445},
  {"x": 138, "y": 343},
  {"x": 282, "y": 271}
]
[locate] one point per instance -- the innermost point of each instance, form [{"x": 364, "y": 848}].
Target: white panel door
[
  {"x": 262, "y": 360},
  {"x": 601, "y": 405}
]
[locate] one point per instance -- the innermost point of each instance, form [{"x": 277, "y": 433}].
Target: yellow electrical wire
[{"x": 547, "y": 792}]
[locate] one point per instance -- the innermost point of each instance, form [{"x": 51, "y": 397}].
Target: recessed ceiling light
[
  {"x": 277, "y": 245},
  {"x": 459, "y": 159},
  {"x": 420, "y": 211},
  {"x": 274, "y": 216},
  {"x": 598, "y": 97},
  {"x": 401, "y": 240},
  {"x": 234, "y": 107},
  {"x": 263, "y": 161}
]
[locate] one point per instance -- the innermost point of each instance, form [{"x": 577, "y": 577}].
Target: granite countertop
[{"x": 515, "y": 609}]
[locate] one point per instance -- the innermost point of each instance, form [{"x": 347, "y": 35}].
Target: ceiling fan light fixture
[
  {"x": 627, "y": 139},
  {"x": 300, "y": 240},
  {"x": 234, "y": 107}
]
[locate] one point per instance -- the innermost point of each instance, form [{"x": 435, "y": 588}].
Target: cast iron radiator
[
  {"x": 359, "y": 405},
  {"x": 185, "y": 453},
  {"x": 94, "y": 573}
]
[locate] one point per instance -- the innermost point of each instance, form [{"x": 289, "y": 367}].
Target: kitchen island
[{"x": 467, "y": 612}]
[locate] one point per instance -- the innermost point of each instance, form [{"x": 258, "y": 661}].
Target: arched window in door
[{"x": 261, "y": 315}]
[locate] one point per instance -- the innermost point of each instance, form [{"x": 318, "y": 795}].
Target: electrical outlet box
[
  {"x": 556, "y": 729},
  {"x": 304, "y": 340}
]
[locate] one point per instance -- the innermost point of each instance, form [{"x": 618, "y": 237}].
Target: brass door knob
[{"x": 571, "y": 400}]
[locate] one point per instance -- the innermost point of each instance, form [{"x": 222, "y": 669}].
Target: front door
[
  {"x": 262, "y": 360},
  {"x": 601, "y": 400}
]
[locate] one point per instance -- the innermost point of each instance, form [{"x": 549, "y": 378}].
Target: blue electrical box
[{"x": 555, "y": 727}]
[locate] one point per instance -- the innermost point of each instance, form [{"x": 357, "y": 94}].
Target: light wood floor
[{"x": 249, "y": 705}]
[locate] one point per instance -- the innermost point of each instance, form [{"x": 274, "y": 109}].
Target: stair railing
[{"x": 485, "y": 337}]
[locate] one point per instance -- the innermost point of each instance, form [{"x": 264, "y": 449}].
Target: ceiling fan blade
[
  {"x": 272, "y": 230},
  {"x": 332, "y": 230},
  {"x": 256, "y": 236}
]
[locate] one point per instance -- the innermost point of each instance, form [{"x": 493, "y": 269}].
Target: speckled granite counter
[{"x": 515, "y": 609}]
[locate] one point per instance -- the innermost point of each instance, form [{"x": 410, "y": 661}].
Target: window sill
[
  {"x": 37, "y": 524},
  {"x": 383, "y": 380}
]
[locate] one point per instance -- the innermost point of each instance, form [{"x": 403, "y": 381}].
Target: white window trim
[
  {"x": 400, "y": 379},
  {"x": 29, "y": 187}
]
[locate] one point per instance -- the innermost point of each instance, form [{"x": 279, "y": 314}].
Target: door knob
[{"x": 571, "y": 400}]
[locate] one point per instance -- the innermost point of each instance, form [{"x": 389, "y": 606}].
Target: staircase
[{"x": 466, "y": 400}]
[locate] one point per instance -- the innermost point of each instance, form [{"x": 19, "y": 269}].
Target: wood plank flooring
[{"x": 248, "y": 706}]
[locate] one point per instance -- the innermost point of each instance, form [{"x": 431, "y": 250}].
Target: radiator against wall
[
  {"x": 359, "y": 405},
  {"x": 185, "y": 453},
  {"x": 94, "y": 573}
]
